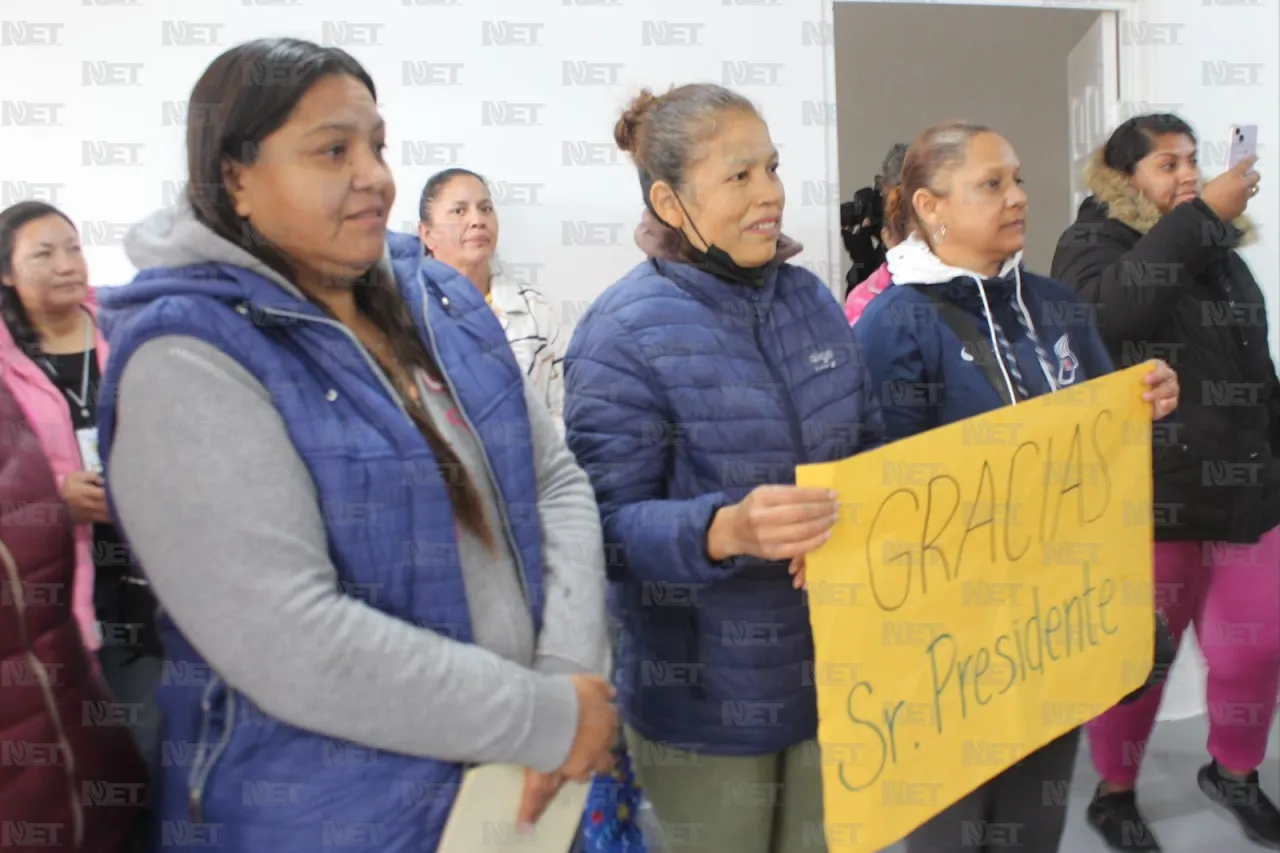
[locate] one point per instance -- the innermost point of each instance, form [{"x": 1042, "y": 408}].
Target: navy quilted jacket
[{"x": 683, "y": 392}]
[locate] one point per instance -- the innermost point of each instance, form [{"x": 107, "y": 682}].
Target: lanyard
[{"x": 81, "y": 399}]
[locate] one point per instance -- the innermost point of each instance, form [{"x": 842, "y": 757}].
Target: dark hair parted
[
  {"x": 933, "y": 152},
  {"x": 435, "y": 185},
  {"x": 12, "y": 310},
  {"x": 660, "y": 132},
  {"x": 244, "y": 96},
  {"x": 1136, "y": 138}
]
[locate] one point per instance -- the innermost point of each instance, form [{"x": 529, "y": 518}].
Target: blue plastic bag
[{"x": 609, "y": 822}]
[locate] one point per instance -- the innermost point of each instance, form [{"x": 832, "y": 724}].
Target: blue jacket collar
[
  {"x": 403, "y": 246},
  {"x": 262, "y": 288},
  {"x": 712, "y": 289}
]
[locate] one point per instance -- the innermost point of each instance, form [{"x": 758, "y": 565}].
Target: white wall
[
  {"x": 560, "y": 180},
  {"x": 951, "y": 62},
  {"x": 789, "y": 71}
]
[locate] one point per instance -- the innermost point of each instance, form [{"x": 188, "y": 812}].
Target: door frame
[{"x": 1129, "y": 70}]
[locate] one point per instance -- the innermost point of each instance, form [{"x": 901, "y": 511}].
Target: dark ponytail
[
  {"x": 435, "y": 185},
  {"x": 381, "y": 302}
]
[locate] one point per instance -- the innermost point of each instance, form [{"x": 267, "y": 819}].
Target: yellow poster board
[{"x": 987, "y": 589}]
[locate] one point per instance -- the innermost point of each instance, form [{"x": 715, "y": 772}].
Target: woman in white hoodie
[
  {"x": 458, "y": 225},
  {"x": 963, "y": 318}
]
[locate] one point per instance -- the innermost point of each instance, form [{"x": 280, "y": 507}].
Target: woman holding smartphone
[{"x": 1155, "y": 252}]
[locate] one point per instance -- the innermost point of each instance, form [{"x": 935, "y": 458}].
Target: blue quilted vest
[{"x": 230, "y": 777}]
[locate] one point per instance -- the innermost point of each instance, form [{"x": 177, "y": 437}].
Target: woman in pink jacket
[
  {"x": 873, "y": 285},
  {"x": 51, "y": 357},
  {"x": 869, "y": 288}
]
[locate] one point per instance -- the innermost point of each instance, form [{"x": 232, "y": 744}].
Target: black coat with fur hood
[{"x": 1173, "y": 287}]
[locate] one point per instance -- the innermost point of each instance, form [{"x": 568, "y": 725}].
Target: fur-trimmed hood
[{"x": 1111, "y": 187}]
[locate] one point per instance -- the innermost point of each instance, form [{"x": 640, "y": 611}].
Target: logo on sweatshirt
[
  {"x": 1067, "y": 361},
  {"x": 825, "y": 360}
]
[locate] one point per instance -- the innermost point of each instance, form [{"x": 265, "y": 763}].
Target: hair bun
[{"x": 626, "y": 132}]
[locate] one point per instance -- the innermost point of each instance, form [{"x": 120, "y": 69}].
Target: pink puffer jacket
[
  {"x": 869, "y": 288},
  {"x": 46, "y": 410}
]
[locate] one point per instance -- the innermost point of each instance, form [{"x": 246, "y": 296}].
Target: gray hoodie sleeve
[
  {"x": 573, "y": 637},
  {"x": 222, "y": 513}
]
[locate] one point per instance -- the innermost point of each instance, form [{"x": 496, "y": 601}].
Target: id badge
[{"x": 88, "y": 441}]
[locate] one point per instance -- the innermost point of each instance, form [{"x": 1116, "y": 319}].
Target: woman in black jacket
[{"x": 1154, "y": 251}]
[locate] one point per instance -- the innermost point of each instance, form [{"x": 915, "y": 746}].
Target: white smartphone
[{"x": 1244, "y": 143}]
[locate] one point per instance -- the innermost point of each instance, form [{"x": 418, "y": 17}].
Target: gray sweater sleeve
[
  {"x": 573, "y": 637},
  {"x": 223, "y": 515}
]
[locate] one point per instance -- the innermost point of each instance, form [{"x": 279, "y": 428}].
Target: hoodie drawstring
[
  {"x": 1002, "y": 350},
  {"x": 1024, "y": 316},
  {"x": 1005, "y": 355}
]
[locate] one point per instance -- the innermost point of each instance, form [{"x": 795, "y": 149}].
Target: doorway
[
  {"x": 1045, "y": 78},
  {"x": 1048, "y": 79}
]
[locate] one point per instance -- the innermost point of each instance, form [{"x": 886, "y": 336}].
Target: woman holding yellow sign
[{"x": 965, "y": 321}]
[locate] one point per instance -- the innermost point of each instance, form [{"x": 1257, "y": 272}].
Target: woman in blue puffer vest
[
  {"x": 694, "y": 387},
  {"x": 328, "y": 462}
]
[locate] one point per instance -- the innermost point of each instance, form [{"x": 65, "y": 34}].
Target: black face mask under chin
[
  {"x": 717, "y": 262},
  {"x": 714, "y": 260}
]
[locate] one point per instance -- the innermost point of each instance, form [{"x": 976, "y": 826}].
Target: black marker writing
[
  {"x": 934, "y": 550},
  {"x": 963, "y": 681}
]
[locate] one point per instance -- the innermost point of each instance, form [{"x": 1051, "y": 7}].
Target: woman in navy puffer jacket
[{"x": 694, "y": 387}]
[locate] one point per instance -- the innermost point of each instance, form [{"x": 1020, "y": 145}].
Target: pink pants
[{"x": 1232, "y": 595}]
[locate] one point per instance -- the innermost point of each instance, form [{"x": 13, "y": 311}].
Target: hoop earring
[{"x": 940, "y": 233}]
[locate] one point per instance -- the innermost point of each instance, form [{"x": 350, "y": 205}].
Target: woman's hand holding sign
[
  {"x": 796, "y": 570},
  {"x": 773, "y": 523},
  {"x": 1163, "y": 382}
]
